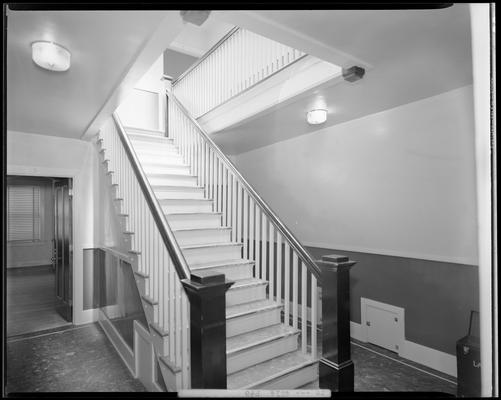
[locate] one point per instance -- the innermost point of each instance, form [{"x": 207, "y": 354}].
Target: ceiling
[
  {"x": 102, "y": 44},
  {"x": 408, "y": 55}
]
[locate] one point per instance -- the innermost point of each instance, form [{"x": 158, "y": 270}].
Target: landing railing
[
  {"x": 279, "y": 257},
  {"x": 160, "y": 258},
  {"x": 239, "y": 61}
]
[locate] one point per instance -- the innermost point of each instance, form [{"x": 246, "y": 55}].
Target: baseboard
[
  {"x": 432, "y": 358},
  {"x": 436, "y": 359},
  {"x": 356, "y": 331}
]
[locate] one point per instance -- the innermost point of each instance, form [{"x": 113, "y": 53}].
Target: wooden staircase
[{"x": 262, "y": 352}]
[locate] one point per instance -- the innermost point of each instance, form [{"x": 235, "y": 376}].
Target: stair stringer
[{"x": 171, "y": 374}]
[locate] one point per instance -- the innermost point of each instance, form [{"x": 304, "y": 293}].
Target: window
[{"x": 23, "y": 213}]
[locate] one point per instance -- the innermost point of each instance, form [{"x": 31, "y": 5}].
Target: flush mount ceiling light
[
  {"x": 50, "y": 55},
  {"x": 315, "y": 117}
]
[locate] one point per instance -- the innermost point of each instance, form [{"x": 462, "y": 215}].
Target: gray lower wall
[{"x": 437, "y": 296}]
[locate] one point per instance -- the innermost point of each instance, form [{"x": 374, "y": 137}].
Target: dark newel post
[
  {"x": 206, "y": 292},
  {"x": 336, "y": 368}
]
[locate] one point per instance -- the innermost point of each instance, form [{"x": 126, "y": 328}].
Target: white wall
[
  {"x": 398, "y": 182},
  {"x": 141, "y": 107},
  {"x": 40, "y": 155}
]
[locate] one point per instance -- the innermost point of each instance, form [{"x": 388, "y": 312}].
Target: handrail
[
  {"x": 303, "y": 254},
  {"x": 207, "y": 54},
  {"x": 155, "y": 208}
]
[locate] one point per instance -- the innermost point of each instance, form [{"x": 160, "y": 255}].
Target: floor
[
  {"x": 378, "y": 369},
  {"x": 30, "y": 300},
  {"x": 69, "y": 359}
]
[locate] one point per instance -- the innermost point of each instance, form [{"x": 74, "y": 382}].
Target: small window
[{"x": 23, "y": 213}]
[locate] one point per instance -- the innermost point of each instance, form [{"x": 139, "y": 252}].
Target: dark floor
[
  {"x": 31, "y": 300},
  {"x": 75, "y": 359},
  {"x": 378, "y": 369}
]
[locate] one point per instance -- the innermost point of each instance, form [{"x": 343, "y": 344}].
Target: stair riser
[
  {"x": 194, "y": 221},
  {"x": 138, "y": 132},
  {"x": 245, "y": 295},
  {"x": 150, "y": 311},
  {"x": 179, "y": 194},
  {"x": 179, "y": 180},
  {"x": 141, "y": 283},
  {"x": 170, "y": 169},
  {"x": 187, "y": 207},
  {"x": 149, "y": 137},
  {"x": 195, "y": 237},
  {"x": 249, "y": 322},
  {"x": 160, "y": 343},
  {"x": 212, "y": 254},
  {"x": 156, "y": 150},
  {"x": 261, "y": 353},
  {"x": 232, "y": 272},
  {"x": 173, "y": 159},
  {"x": 292, "y": 380}
]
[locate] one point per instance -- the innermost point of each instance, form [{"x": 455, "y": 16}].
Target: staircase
[{"x": 262, "y": 352}]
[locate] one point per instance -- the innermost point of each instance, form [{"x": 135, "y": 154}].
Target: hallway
[
  {"x": 31, "y": 300},
  {"x": 71, "y": 359}
]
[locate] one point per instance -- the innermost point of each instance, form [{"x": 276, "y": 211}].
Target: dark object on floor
[{"x": 468, "y": 360}]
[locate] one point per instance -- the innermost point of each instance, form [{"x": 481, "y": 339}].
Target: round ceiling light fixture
[
  {"x": 51, "y": 56},
  {"x": 315, "y": 117}
]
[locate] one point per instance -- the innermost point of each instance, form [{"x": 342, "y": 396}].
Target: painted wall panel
[{"x": 399, "y": 182}]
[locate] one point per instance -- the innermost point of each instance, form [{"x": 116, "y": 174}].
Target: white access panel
[{"x": 383, "y": 324}]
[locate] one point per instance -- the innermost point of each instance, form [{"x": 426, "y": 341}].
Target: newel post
[
  {"x": 336, "y": 367},
  {"x": 206, "y": 292}
]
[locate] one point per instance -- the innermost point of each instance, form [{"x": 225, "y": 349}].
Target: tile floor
[
  {"x": 81, "y": 358},
  {"x": 75, "y": 359}
]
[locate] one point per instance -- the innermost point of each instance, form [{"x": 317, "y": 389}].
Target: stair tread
[
  {"x": 194, "y": 213},
  {"x": 268, "y": 370},
  {"x": 148, "y": 137},
  {"x": 218, "y": 228},
  {"x": 215, "y": 264},
  {"x": 166, "y": 174},
  {"x": 175, "y": 187},
  {"x": 242, "y": 283},
  {"x": 209, "y": 245},
  {"x": 185, "y": 200},
  {"x": 249, "y": 339},
  {"x": 254, "y": 306},
  {"x": 132, "y": 128}
]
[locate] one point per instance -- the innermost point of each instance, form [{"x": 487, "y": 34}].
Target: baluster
[
  {"x": 304, "y": 317},
  {"x": 271, "y": 262},
  {"x": 245, "y": 234},
  {"x": 225, "y": 195},
  {"x": 257, "y": 244},
  {"x": 178, "y": 326},
  {"x": 287, "y": 283},
  {"x": 314, "y": 317},
  {"x": 264, "y": 261},
  {"x": 185, "y": 338},
  {"x": 295, "y": 289},
  {"x": 239, "y": 224},
  {"x": 172, "y": 308},
  {"x": 234, "y": 205},
  {"x": 220, "y": 186},
  {"x": 251, "y": 230},
  {"x": 279, "y": 266}
]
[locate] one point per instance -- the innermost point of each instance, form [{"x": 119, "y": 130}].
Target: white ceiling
[
  {"x": 408, "y": 55},
  {"x": 102, "y": 43}
]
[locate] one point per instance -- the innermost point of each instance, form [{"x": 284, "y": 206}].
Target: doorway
[{"x": 39, "y": 254}]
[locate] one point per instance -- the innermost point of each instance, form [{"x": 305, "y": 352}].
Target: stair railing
[
  {"x": 279, "y": 257},
  {"x": 239, "y": 61},
  {"x": 160, "y": 258}
]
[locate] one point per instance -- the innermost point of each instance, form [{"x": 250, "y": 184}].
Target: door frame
[{"x": 79, "y": 316}]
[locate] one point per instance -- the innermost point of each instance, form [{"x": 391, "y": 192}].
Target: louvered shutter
[{"x": 23, "y": 213}]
